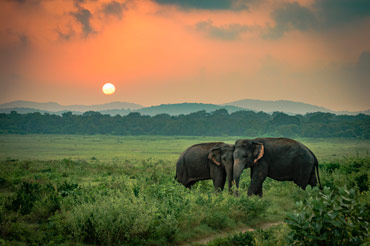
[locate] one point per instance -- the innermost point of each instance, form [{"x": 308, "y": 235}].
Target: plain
[{"x": 120, "y": 190}]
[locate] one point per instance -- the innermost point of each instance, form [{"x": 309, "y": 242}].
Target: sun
[{"x": 108, "y": 89}]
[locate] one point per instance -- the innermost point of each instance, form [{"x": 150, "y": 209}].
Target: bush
[
  {"x": 362, "y": 182},
  {"x": 247, "y": 208},
  {"x": 329, "y": 167},
  {"x": 240, "y": 239},
  {"x": 329, "y": 217},
  {"x": 110, "y": 221},
  {"x": 25, "y": 197}
]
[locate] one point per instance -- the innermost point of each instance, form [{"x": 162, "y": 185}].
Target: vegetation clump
[{"x": 138, "y": 202}]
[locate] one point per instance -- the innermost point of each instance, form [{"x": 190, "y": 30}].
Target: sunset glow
[{"x": 174, "y": 51}]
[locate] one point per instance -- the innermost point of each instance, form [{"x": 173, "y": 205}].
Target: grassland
[
  {"x": 111, "y": 190},
  {"x": 107, "y": 148}
]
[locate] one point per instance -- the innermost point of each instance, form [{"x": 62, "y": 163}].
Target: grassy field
[
  {"x": 112, "y": 190},
  {"x": 107, "y": 148}
]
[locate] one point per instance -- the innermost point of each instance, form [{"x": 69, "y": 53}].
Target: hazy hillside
[
  {"x": 280, "y": 105},
  {"x": 23, "y": 110},
  {"x": 54, "y": 107},
  {"x": 35, "y": 110},
  {"x": 185, "y": 108},
  {"x": 124, "y": 108},
  {"x": 111, "y": 112}
]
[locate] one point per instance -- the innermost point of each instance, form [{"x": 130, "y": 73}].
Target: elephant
[
  {"x": 206, "y": 161},
  {"x": 281, "y": 159}
]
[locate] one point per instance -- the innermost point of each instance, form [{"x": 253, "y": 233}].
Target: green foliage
[
  {"x": 246, "y": 208},
  {"x": 329, "y": 217},
  {"x": 272, "y": 236},
  {"x": 217, "y": 123},
  {"x": 91, "y": 204},
  {"x": 362, "y": 182},
  {"x": 123, "y": 197},
  {"x": 25, "y": 197},
  {"x": 240, "y": 239},
  {"x": 329, "y": 167}
]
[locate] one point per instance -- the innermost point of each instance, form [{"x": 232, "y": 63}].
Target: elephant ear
[
  {"x": 258, "y": 151},
  {"x": 215, "y": 156}
]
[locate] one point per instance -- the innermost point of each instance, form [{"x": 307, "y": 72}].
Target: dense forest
[{"x": 217, "y": 123}]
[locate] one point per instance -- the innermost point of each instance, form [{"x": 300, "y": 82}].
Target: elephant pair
[{"x": 281, "y": 159}]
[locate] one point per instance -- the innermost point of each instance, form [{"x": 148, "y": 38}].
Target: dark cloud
[
  {"x": 13, "y": 52},
  {"x": 65, "y": 35},
  {"x": 291, "y": 16},
  {"x": 23, "y": 40},
  {"x": 332, "y": 13},
  {"x": 364, "y": 61},
  {"x": 323, "y": 15},
  {"x": 362, "y": 68},
  {"x": 26, "y": 2},
  {"x": 230, "y": 32},
  {"x": 208, "y": 4},
  {"x": 114, "y": 8},
  {"x": 83, "y": 16}
]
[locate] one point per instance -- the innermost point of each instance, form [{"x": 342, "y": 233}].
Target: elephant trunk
[
  {"x": 238, "y": 168},
  {"x": 229, "y": 173}
]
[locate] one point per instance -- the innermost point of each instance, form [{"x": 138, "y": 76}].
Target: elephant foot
[{"x": 236, "y": 193}]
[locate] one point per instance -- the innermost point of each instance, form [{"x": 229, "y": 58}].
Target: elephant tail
[
  {"x": 176, "y": 176},
  {"x": 317, "y": 170},
  {"x": 316, "y": 163}
]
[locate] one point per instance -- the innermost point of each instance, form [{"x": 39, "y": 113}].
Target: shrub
[
  {"x": 111, "y": 220},
  {"x": 246, "y": 208},
  {"x": 362, "y": 182},
  {"x": 67, "y": 188},
  {"x": 240, "y": 239},
  {"x": 329, "y": 167},
  {"x": 328, "y": 217},
  {"x": 354, "y": 166},
  {"x": 25, "y": 197}
]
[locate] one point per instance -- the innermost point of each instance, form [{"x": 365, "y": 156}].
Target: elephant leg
[
  {"x": 313, "y": 180},
  {"x": 219, "y": 182},
  {"x": 305, "y": 177},
  {"x": 255, "y": 187},
  {"x": 258, "y": 176},
  {"x": 219, "y": 179}
]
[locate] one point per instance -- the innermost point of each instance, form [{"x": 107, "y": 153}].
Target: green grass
[
  {"x": 107, "y": 148},
  {"x": 112, "y": 190}
]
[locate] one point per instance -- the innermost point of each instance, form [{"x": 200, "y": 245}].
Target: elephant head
[
  {"x": 222, "y": 156},
  {"x": 246, "y": 154}
]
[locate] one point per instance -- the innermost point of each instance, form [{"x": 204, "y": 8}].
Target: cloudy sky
[{"x": 171, "y": 51}]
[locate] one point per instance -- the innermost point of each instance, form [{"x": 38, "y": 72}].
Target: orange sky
[{"x": 171, "y": 51}]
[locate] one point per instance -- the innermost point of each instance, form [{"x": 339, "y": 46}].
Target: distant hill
[
  {"x": 124, "y": 108},
  {"x": 185, "y": 108},
  {"x": 55, "y": 107},
  {"x": 111, "y": 112},
  {"x": 22, "y": 110},
  {"x": 285, "y": 106},
  {"x": 367, "y": 112},
  {"x": 171, "y": 109},
  {"x": 35, "y": 110}
]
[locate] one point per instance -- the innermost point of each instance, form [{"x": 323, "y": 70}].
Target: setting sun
[{"x": 108, "y": 89}]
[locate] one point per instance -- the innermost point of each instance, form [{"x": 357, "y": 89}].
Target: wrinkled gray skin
[
  {"x": 206, "y": 161},
  {"x": 281, "y": 159}
]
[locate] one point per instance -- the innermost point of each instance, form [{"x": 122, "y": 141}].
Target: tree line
[{"x": 217, "y": 123}]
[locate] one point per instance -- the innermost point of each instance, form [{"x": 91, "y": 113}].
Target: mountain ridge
[
  {"x": 124, "y": 108},
  {"x": 54, "y": 106},
  {"x": 270, "y": 106}
]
